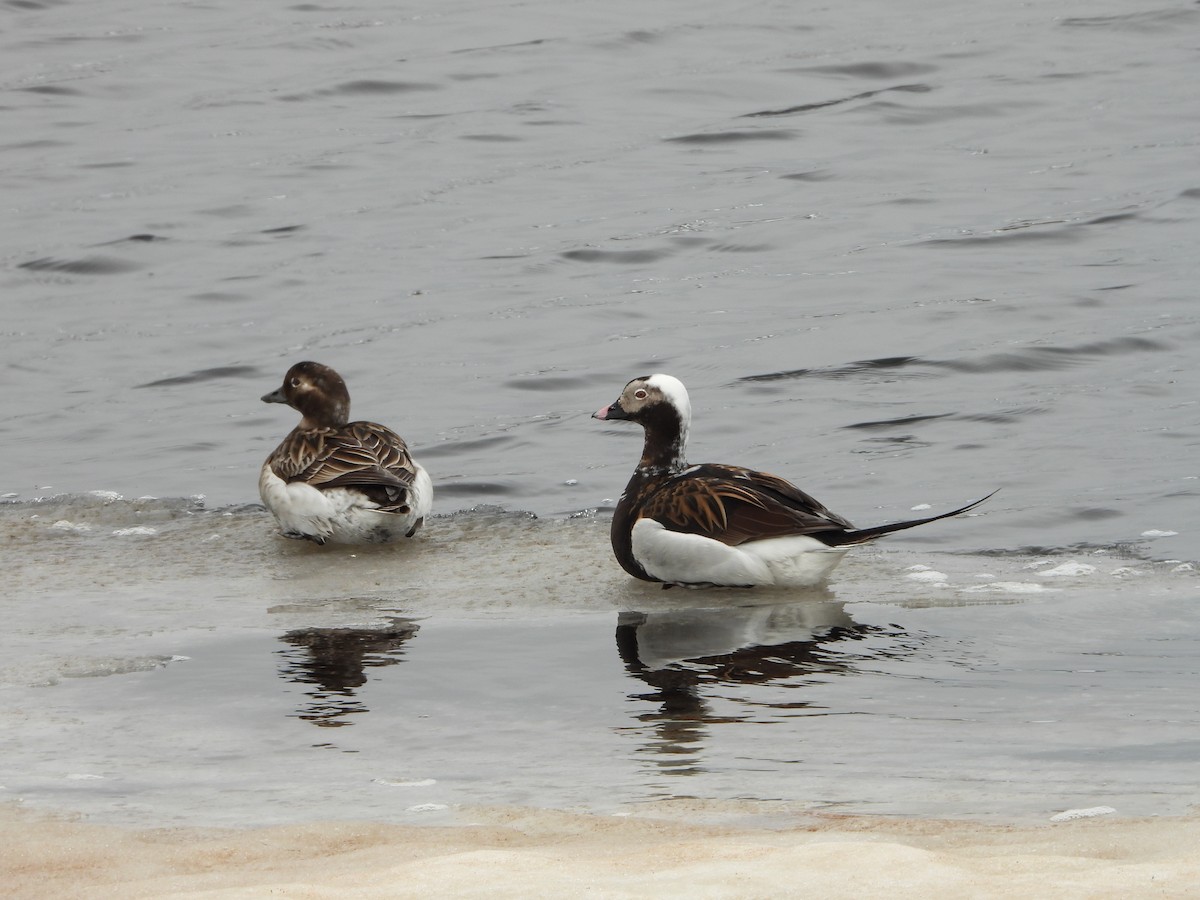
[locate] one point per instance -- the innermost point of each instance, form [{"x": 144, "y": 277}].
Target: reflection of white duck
[
  {"x": 336, "y": 480},
  {"x": 672, "y": 637},
  {"x": 716, "y": 524}
]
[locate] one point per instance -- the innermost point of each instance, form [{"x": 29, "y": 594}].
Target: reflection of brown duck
[
  {"x": 336, "y": 663},
  {"x": 682, "y": 652}
]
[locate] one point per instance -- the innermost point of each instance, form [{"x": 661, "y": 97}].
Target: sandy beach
[{"x": 536, "y": 853}]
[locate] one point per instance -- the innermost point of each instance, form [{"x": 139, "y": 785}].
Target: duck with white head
[{"x": 711, "y": 524}]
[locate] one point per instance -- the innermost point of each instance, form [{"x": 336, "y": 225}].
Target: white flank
[
  {"x": 676, "y": 558},
  {"x": 340, "y": 516},
  {"x": 421, "y": 498},
  {"x": 796, "y": 561}
]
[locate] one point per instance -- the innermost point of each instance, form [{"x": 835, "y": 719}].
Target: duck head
[
  {"x": 660, "y": 404},
  {"x": 317, "y": 392}
]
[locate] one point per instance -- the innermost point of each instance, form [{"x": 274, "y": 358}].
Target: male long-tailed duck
[
  {"x": 333, "y": 480},
  {"x": 712, "y": 525}
]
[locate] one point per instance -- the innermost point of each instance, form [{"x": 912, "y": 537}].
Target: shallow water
[
  {"x": 902, "y": 253},
  {"x": 173, "y": 664}
]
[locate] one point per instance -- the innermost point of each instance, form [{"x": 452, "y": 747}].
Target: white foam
[
  {"x": 136, "y": 529},
  {"x": 1154, "y": 532},
  {"x": 928, "y": 575},
  {"x": 921, "y": 506},
  {"x": 64, "y": 525},
  {"x": 1122, "y": 571},
  {"x": 1089, "y": 812},
  {"x": 1184, "y": 567},
  {"x": 419, "y": 782},
  {"x": 1070, "y": 569},
  {"x": 427, "y": 807},
  {"x": 1008, "y": 587},
  {"x": 105, "y": 495}
]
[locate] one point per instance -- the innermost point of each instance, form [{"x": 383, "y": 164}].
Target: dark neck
[
  {"x": 662, "y": 457},
  {"x": 326, "y": 416},
  {"x": 666, "y": 438}
]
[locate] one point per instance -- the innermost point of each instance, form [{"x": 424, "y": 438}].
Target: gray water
[{"x": 902, "y": 253}]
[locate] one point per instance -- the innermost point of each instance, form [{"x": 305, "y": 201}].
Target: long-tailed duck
[
  {"x": 712, "y": 525},
  {"x": 333, "y": 480}
]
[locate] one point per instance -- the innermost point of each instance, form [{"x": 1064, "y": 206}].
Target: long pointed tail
[{"x": 862, "y": 535}]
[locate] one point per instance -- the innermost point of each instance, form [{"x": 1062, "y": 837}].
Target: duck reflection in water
[
  {"x": 335, "y": 660},
  {"x": 699, "y": 660}
]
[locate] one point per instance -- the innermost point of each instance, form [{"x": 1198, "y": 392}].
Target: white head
[{"x": 676, "y": 394}]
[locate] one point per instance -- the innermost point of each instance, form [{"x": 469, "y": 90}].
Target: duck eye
[
  {"x": 295, "y": 382},
  {"x": 639, "y": 394}
]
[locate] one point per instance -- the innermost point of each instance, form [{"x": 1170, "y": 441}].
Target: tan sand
[{"x": 528, "y": 853}]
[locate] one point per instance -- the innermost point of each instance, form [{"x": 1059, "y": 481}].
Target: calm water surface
[{"x": 902, "y": 253}]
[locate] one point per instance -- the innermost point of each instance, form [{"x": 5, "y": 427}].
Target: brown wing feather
[
  {"x": 359, "y": 455},
  {"x": 735, "y": 505}
]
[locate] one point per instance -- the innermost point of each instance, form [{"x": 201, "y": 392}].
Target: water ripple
[
  {"x": 213, "y": 374},
  {"x": 903, "y": 420},
  {"x": 849, "y": 370},
  {"x": 1052, "y": 230},
  {"x": 54, "y": 90},
  {"x": 90, "y": 265},
  {"x": 808, "y": 107},
  {"x": 475, "y": 489},
  {"x": 364, "y": 86},
  {"x": 451, "y": 447},
  {"x": 144, "y": 238},
  {"x": 995, "y": 417},
  {"x": 902, "y": 114},
  {"x": 550, "y": 383},
  {"x": 34, "y": 4},
  {"x": 814, "y": 175},
  {"x": 880, "y": 70},
  {"x": 1031, "y": 359},
  {"x": 617, "y": 256},
  {"x": 734, "y": 137},
  {"x": 1152, "y": 20}
]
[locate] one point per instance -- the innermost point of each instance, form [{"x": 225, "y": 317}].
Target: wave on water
[{"x": 1030, "y": 359}]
